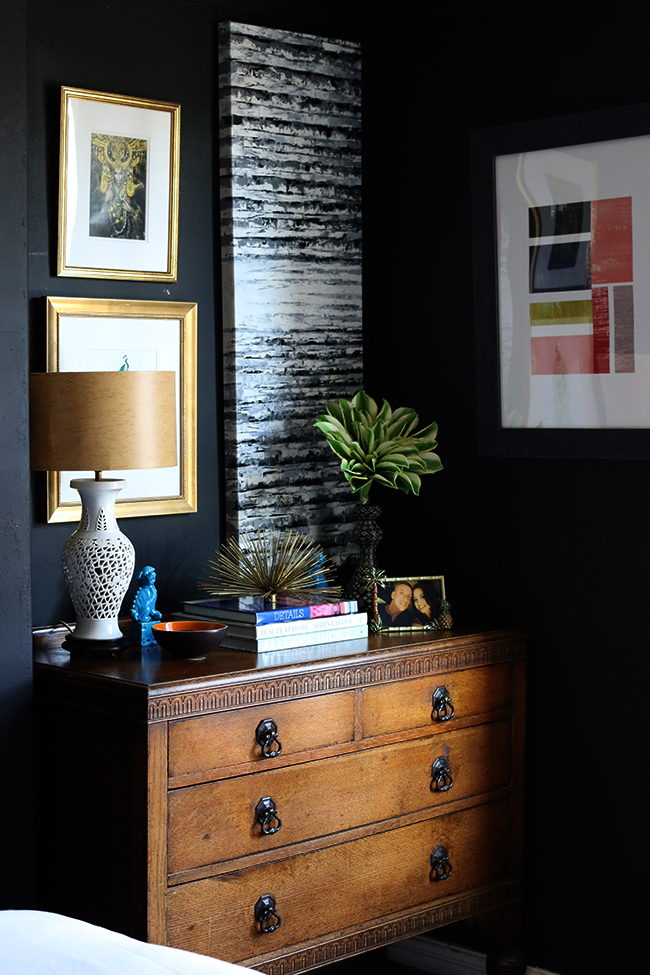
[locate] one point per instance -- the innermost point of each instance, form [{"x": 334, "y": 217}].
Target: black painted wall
[
  {"x": 15, "y": 639},
  {"x": 552, "y": 545},
  {"x": 125, "y": 48}
]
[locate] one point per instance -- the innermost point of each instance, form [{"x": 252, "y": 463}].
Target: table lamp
[{"x": 100, "y": 421}]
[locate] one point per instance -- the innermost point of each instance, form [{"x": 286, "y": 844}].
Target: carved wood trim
[
  {"x": 387, "y": 932},
  {"x": 404, "y": 664}
]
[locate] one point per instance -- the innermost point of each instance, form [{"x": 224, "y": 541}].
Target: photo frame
[
  {"x": 410, "y": 602},
  {"x": 118, "y": 187},
  {"x": 85, "y": 335},
  {"x": 561, "y": 213}
]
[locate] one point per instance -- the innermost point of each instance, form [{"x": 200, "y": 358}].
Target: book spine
[
  {"x": 196, "y": 611},
  {"x": 319, "y": 624},
  {"x": 265, "y": 617},
  {"x": 250, "y": 632},
  {"x": 286, "y": 613},
  {"x": 291, "y": 640}
]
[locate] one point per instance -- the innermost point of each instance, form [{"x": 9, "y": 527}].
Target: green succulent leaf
[
  {"x": 432, "y": 461},
  {"x": 334, "y": 410},
  {"x": 385, "y": 413},
  {"x": 408, "y": 481},
  {"x": 403, "y": 421},
  {"x": 361, "y": 435},
  {"x": 388, "y": 447},
  {"x": 375, "y": 434},
  {"x": 347, "y": 414},
  {"x": 364, "y": 492},
  {"x": 387, "y": 479},
  {"x": 332, "y": 428},
  {"x": 343, "y": 449},
  {"x": 428, "y": 433},
  {"x": 357, "y": 452},
  {"x": 365, "y": 403}
]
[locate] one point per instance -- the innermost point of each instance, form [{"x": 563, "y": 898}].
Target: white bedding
[{"x": 37, "y": 943}]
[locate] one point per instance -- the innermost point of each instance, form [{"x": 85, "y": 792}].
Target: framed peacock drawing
[{"x": 118, "y": 187}]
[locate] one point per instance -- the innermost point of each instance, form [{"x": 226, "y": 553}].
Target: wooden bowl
[{"x": 189, "y": 638}]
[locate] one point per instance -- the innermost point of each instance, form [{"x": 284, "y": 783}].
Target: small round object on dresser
[{"x": 189, "y": 638}]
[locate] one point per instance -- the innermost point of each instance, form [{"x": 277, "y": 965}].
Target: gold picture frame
[
  {"x": 88, "y": 334},
  {"x": 419, "y": 603},
  {"x": 119, "y": 163}
]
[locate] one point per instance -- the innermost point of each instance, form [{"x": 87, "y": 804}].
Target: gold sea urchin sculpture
[{"x": 267, "y": 563}]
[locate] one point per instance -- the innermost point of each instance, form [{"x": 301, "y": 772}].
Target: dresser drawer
[
  {"x": 217, "y": 741},
  {"x": 216, "y": 821},
  {"x": 343, "y": 885},
  {"x": 403, "y": 705}
]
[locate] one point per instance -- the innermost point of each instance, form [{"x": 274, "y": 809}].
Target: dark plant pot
[{"x": 367, "y": 534}]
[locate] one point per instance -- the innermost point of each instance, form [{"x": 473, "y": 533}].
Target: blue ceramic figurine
[{"x": 143, "y": 611}]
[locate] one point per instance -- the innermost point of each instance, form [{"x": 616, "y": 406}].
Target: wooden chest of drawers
[{"x": 285, "y": 810}]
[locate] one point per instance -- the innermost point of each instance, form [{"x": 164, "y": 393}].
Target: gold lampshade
[{"x": 102, "y": 421}]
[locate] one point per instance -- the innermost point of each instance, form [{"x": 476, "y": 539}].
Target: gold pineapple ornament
[{"x": 444, "y": 615}]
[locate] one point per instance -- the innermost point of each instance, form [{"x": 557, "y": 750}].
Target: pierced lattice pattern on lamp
[{"x": 98, "y": 572}]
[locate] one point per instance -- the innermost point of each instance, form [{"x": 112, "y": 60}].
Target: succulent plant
[{"x": 379, "y": 446}]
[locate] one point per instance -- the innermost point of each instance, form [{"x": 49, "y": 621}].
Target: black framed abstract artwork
[{"x": 561, "y": 246}]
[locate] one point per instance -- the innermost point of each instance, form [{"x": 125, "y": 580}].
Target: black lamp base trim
[{"x": 94, "y": 648}]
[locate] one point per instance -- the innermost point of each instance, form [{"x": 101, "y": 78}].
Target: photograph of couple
[{"x": 406, "y": 602}]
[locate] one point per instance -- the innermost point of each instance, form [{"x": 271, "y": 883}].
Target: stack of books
[{"x": 259, "y": 626}]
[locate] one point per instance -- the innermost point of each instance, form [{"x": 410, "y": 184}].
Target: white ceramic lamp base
[{"x": 98, "y": 562}]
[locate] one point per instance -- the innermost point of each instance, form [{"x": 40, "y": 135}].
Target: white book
[
  {"x": 318, "y": 625},
  {"x": 290, "y": 640}
]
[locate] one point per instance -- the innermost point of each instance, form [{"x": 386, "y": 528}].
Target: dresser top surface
[{"x": 155, "y": 670}]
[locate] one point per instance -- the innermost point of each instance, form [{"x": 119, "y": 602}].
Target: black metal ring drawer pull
[
  {"x": 266, "y": 815},
  {"x": 440, "y": 864},
  {"x": 441, "y": 775},
  {"x": 443, "y": 709},
  {"x": 266, "y": 736},
  {"x": 266, "y": 915}
]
